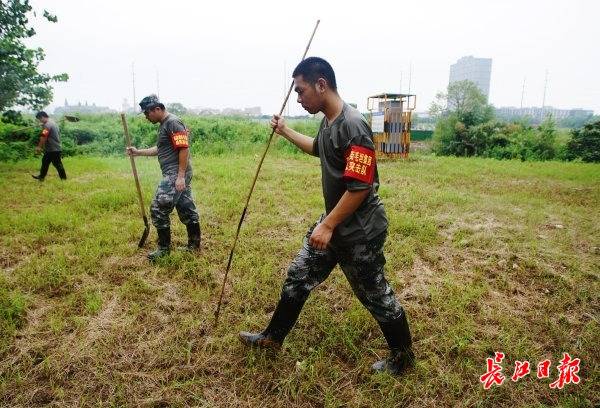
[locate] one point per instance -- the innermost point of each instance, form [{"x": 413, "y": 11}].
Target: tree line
[{"x": 466, "y": 126}]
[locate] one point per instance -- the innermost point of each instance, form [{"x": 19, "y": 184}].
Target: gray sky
[{"x": 233, "y": 53}]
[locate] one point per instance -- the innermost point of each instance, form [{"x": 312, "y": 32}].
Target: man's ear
[{"x": 321, "y": 84}]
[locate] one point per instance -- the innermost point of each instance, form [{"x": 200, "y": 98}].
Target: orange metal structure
[{"x": 390, "y": 122}]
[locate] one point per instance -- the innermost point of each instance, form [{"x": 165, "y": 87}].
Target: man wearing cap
[
  {"x": 50, "y": 142},
  {"x": 174, "y": 190},
  {"x": 353, "y": 229}
]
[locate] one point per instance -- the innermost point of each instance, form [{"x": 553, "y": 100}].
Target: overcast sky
[{"x": 241, "y": 53}]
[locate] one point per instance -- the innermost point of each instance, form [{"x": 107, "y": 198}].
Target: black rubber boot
[
  {"x": 397, "y": 335},
  {"x": 164, "y": 244},
  {"x": 37, "y": 177},
  {"x": 194, "y": 237},
  {"x": 284, "y": 317}
]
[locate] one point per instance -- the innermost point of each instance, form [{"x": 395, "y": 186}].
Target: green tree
[
  {"x": 177, "y": 108},
  {"x": 20, "y": 82},
  {"x": 460, "y": 109},
  {"x": 466, "y": 101},
  {"x": 585, "y": 143},
  {"x": 545, "y": 149},
  {"x": 14, "y": 117}
]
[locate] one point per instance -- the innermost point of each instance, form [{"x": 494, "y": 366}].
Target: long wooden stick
[
  {"x": 16, "y": 132},
  {"x": 137, "y": 185},
  {"x": 237, "y": 234}
]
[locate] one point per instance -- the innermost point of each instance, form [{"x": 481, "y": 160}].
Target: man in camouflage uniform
[
  {"x": 352, "y": 231},
  {"x": 50, "y": 142},
  {"x": 174, "y": 190}
]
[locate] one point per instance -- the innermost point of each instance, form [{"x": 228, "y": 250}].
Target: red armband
[
  {"x": 180, "y": 139},
  {"x": 45, "y": 132},
  {"x": 360, "y": 164}
]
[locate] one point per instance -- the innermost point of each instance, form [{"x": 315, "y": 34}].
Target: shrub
[
  {"x": 498, "y": 140},
  {"x": 585, "y": 143},
  {"x": 103, "y": 135}
]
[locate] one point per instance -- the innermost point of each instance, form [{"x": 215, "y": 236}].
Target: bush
[
  {"x": 16, "y": 143},
  {"x": 466, "y": 127},
  {"x": 585, "y": 144},
  {"x": 498, "y": 140},
  {"x": 445, "y": 137},
  {"x": 453, "y": 137},
  {"x": 14, "y": 117},
  {"x": 103, "y": 135},
  {"x": 528, "y": 143}
]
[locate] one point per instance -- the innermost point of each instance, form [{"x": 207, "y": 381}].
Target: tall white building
[{"x": 477, "y": 70}]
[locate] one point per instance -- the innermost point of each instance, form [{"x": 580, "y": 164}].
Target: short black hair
[
  {"x": 41, "y": 114},
  {"x": 313, "y": 68}
]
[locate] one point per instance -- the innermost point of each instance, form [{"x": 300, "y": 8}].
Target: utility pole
[
  {"x": 400, "y": 81},
  {"x": 409, "y": 76},
  {"x": 133, "y": 85},
  {"x": 544, "y": 99},
  {"x": 523, "y": 92},
  {"x": 157, "y": 85}
]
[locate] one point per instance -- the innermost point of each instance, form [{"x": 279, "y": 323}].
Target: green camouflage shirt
[
  {"x": 172, "y": 136},
  {"x": 347, "y": 155}
]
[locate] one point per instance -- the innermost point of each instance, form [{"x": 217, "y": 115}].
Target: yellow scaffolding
[{"x": 391, "y": 122}]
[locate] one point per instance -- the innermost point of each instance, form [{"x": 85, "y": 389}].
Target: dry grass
[{"x": 484, "y": 256}]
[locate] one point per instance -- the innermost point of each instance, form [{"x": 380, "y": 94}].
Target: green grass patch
[{"x": 484, "y": 255}]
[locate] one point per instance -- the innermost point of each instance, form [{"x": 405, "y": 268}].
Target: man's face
[
  {"x": 310, "y": 96},
  {"x": 42, "y": 120},
  {"x": 153, "y": 114}
]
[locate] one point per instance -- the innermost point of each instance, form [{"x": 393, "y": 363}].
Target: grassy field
[{"x": 484, "y": 255}]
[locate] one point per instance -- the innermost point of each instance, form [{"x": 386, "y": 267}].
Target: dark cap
[{"x": 149, "y": 102}]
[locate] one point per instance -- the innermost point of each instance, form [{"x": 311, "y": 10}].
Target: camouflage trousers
[
  {"x": 362, "y": 264},
  {"x": 167, "y": 198}
]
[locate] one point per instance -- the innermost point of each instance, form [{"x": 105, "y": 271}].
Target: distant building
[
  {"x": 538, "y": 114},
  {"x": 232, "y": 112},
  {"x": 251, "y": 111},
  {"x": 205, "y": 111},
  {"x": 81, "y": 108},
  {"x": 477, "y": 70}
]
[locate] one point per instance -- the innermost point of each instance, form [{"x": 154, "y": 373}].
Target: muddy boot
[
  {"x": 194, "y": 237},
  {"x": 164, "y": 244},
  {"x": 285, "y": 315},
  {"x": 398, "y": 338}
]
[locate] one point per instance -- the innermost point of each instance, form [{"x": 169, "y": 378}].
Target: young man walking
[
  {"x": 50, "y": 143},
  {"x": 174, "y": 190},
  {"x": 353, "y": 229}
]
